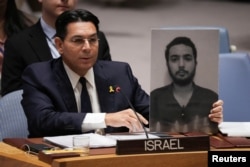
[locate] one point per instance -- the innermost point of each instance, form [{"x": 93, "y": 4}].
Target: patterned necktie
[{"x": 85, "y": 100}]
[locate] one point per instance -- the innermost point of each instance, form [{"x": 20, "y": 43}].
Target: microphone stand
[{"x": 131, "y": 106}]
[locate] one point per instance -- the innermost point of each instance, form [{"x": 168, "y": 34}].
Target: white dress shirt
[
  {"x": 96, "y": 119},
  {"x": 50, "y": 33}
]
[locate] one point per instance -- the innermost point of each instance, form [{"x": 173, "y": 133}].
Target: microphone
[{"x": 117, "y": 89}]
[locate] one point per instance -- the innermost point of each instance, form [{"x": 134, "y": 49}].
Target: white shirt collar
[
  {"x": 90, "y": 77},
  {"x": 74, "y": 77},
  {"x": 47, "y": 29}
]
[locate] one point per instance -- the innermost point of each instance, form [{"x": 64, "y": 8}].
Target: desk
[{"x": 13, "y": 157}]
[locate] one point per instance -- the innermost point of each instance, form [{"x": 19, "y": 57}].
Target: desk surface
[{"x": 13, "y": 157}]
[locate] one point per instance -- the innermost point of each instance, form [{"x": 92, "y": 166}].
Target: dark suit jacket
[
  {"x": 30, "y": 46},
  {"x": 49, "y": 101}
]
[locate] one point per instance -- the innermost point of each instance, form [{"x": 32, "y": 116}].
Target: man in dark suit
[
  {"x": 35, "y": 44},
  {"x": 51, "y": 98}
]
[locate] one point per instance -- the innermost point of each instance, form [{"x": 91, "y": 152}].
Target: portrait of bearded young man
[{"x": 182, "y": 106}]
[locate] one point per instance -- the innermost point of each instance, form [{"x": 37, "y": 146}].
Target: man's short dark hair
[
  {"x": 74, "y": 16},
  {"x": 181, "y": 40}
]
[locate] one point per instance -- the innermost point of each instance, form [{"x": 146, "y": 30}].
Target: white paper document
[
  {"x": 131, "y": 136},
  {"x": 96, "y": 140},
  {"x": 241, "y": 129}
]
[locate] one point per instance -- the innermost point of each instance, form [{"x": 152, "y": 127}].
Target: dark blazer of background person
[
  {"x": 52, "y": 95},
  {"x": 28, "y": 47}
]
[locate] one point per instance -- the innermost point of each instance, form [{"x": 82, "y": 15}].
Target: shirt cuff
[{"x": 93, "y": 121}]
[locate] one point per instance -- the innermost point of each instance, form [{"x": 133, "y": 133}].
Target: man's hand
[
  {"x": 216, "y": 114},
  {"x": 126, "y": 118}
]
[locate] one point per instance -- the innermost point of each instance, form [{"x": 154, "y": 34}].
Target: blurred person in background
[
  {"x": 12, "y": 20},
  {"x": 36, "y": 44}
]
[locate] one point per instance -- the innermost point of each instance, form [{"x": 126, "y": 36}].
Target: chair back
[
  {"x": 234, "y": 86},
  {"x": 12, "y": 117}
]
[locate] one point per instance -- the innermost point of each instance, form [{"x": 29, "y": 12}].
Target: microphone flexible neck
[{"x": 132, "y": 107}]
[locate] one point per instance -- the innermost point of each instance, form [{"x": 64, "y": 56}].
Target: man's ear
[{"x": 59, "y": 44}]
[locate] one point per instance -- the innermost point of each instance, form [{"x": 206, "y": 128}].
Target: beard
[{"x": 180, "y": 81}]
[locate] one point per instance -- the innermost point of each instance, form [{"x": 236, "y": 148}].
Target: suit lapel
[
  {"x": 39, "y": 43},
  {"x": 67, "y": 92},
  {"x": 103, "y": 82}
]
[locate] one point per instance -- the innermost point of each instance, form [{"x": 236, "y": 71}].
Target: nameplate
[{"x": 163, "y": 145}]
